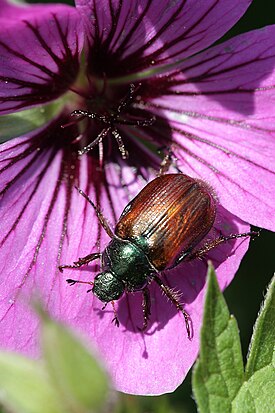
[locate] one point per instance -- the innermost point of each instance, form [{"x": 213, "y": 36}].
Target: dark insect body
[{"x": 158, "y": 229}]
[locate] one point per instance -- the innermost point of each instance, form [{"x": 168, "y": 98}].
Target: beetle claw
[
  {"x": 115, "y": 321},
  {"x": 71, "y": 282}
]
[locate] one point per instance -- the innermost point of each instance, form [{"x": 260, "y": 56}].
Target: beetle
[{"x": 160, "y": 228}]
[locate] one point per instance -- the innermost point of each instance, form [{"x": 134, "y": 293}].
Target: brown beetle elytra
[{"x": 168, "y": 218}]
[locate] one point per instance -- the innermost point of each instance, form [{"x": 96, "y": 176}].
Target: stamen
[
  {"x": 111, "y": 121},
  {"x": 97, "y": 141},
  {"x": 121, "y": 147},
  {"x": 86, "y": 114},
  {"x": 73, "y": 122}
]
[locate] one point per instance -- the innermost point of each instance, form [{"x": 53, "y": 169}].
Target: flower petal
[
  {"x": 39, "y": 48},
  {"x": 221, "y": 111},
  {"x": 45, "y": 222},
  {"x": 37, "y": 177},
  {"x": 138, "y": 35}
]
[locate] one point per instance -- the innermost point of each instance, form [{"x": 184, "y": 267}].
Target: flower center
[{"x": 104, "y": 114}]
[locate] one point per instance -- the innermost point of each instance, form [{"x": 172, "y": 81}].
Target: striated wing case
[{"x": 171, "y": 214}]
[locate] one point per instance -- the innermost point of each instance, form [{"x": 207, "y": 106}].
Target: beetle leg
[
  {"x": 146, "y": 308},
  {"x": 115, "y": 319},
  {"x": 212, "y": 244},
  {"x": 166, "y": 162},
  {"x": 81, "y": 261},
  {"x": 99, "y": 214},
  {"x": 172, "y": 296}
]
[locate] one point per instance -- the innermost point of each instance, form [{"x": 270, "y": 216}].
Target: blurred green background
[{"x": 245, "y": 294}]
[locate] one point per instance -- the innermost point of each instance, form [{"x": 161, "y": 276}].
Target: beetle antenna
[
  {"x": 73, "y": 282},
  {"x": 99, "y": 214}
]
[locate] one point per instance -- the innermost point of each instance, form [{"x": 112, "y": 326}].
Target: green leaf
[
  {"x": 257, "y": 394},
  {"x": 78, "y": 376},
  {"x": 218, "y": 374},
  {"x": 262, "y": 350},
  {"x": 25, "y": 121},
  {"x": 25, "y": 387}
]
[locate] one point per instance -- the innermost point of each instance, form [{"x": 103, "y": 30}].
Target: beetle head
[{"x": 107, "y": 287}]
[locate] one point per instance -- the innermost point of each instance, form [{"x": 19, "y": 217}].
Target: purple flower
[{"x": 213, "y": 106}]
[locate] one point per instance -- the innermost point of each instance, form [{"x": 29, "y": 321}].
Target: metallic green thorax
[{"x": 125, "y": 267}]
